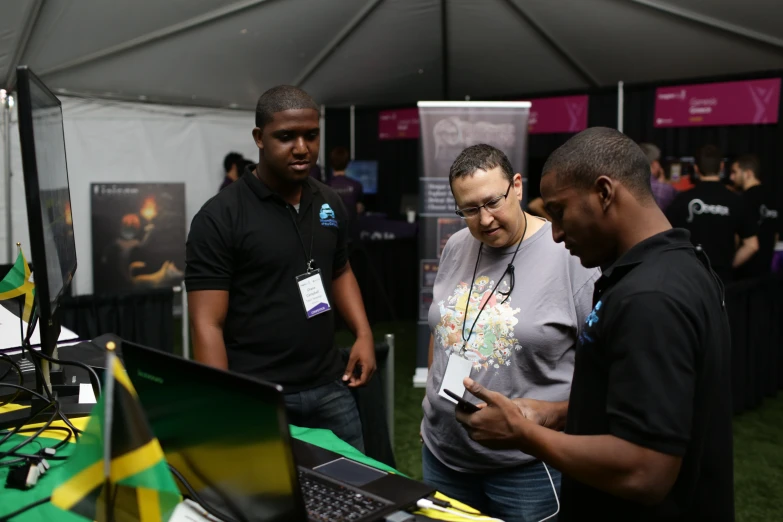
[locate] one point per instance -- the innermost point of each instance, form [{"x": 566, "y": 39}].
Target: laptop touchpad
[{"x": 350, "y": 472}]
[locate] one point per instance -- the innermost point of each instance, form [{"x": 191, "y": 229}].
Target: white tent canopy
[{"x": 224, "y": 53}]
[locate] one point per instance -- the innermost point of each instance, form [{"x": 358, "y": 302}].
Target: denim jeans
[
  {"x": 330, "y": 407},
  {"x": 520, "y": 494}
]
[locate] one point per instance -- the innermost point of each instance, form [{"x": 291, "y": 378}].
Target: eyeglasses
[{"x": 492, "y": 206}]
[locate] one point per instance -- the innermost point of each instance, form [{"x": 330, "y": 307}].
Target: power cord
[
  {"x": 20, "y": 378},
  {"x": 9, "y": 516},
  {"x": 195, "y": 496}
]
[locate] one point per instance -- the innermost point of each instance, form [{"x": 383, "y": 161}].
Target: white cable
[
  {"x": 554, "y": 491},
  {"x": 423, "y": 503}
]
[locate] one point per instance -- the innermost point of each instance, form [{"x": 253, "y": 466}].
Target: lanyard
[
  {"x": 509, "y": 270},
  {"x": 308, "y": 256}
]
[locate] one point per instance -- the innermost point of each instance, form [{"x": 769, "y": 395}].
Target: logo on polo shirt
[
  {"x": 766, "y": 213},
  {"x": 697, "y": 206},
  {"x": 591, "y": 320},
  {"x": 327, "y": 216}
]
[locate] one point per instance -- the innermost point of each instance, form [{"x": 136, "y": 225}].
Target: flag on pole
[
  {"x": 117, "y": 471},
  {"x": 18, "y": 283}
]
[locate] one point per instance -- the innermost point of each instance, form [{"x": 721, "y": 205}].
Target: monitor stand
[{"x": 67, "y": 395}]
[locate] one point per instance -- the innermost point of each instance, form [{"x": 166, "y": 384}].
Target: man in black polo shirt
[
  {"x": 759, "y": 204},
  {"x": 648, "y": 424},
  {"x": 715, "y": 217},
  {"x": 267, "y": 263}
]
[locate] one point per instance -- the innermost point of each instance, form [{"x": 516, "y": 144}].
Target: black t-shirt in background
[
  {"x": 244, "y": 241},
  {"x": 714, "y": 215},
  {"x": 652, "y": 367},
  {"x": 759, "y": 204}
]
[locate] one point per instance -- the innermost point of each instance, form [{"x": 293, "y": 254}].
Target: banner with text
[
  {"x": 726, "y": 103},
  {"x": 400, "y": 124},
  {"x": 559, "y": 114},
  {"x": 447, "y": 128}
]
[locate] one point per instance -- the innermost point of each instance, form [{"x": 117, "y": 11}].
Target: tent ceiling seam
[
  {"x": 32, "y": 19},
  {"x": 714, "y": 23},
  {"x": 580, "y": 69},
  {"x": 154, "y": 36},
  {"x": 332, "y": 46}
]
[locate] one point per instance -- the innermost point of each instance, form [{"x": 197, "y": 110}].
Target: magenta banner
[
  {"x": 560, "y": 114},
  {"x": 726, "y": 103},
  {"x": 401, "y": 124}
]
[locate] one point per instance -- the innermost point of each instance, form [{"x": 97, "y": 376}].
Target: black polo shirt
[
  {"x": 714, "y": 215},
  {"x": 245, "y": 240},
  {"x": 652, "y": 368},
  {"x": 759, "y": 204}
]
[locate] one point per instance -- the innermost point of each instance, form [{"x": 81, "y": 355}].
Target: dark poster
[{"x": 138, "y": 236}]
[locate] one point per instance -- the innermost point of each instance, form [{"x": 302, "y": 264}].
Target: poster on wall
[
  {"x": 751, "y": 102},
  {"x": 446, "y": 129},
  {"x": 398, "y": 124},
  {"x": 558, "y": 114},
  {"x": 138, "y": 236}
]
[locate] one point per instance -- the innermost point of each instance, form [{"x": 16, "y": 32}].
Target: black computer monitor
[{"x": 48, "y": 196}]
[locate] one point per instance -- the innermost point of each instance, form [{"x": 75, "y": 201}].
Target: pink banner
[
  {"x": 560, "y": 114},
  {"x": 401, "y": 124},
  {"x": 728, "y": 103}
]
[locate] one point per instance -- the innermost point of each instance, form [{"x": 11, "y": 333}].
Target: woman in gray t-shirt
[{"x": 508, "y": 305}]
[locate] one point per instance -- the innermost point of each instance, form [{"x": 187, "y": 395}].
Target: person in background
[
  {"x": 266, "y": 264},
  {"x": 348, "y": 189},
  {"x": 234, "y": 165},
  {"x": 715, "y": 217},
  {"x": 648, "y": 429},
  {"x": 760, "y": 205},
  {"x": 536, "y": 207},
  {"x": 508, "y": 306},
  {"x": 662, "y": 190}
]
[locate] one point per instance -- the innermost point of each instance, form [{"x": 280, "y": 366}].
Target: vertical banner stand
[{"x": 447, "y": 128}]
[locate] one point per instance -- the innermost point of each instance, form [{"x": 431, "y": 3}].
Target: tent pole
[
  {"x": 444, "y": 49},
  {"x": 322, "y": 147},
  {"x": 620, "y": 106},
  {"x": 353, "y": 132},
  {"x": 9, "y": 229}
]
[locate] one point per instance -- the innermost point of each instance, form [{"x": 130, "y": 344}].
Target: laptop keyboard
[{"x": 329, "y": 502}]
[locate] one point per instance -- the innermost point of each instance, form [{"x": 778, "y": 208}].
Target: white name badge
[
  {"x": 456, "y": 371},
  {"x": 311, "y": 288}
]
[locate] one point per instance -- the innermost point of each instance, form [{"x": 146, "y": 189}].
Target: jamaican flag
[
  {"x": 18, "y": 283},
  {"x": 117, "y": 471}
]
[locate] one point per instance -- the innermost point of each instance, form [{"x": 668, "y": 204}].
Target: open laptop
[{"x": 228, "y": 435}]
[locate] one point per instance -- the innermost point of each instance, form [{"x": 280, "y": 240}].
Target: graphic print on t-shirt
[{"x": 492, "y": 343}]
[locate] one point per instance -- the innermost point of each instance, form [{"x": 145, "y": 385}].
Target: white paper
[
  {"x": 86, "y": 395},
  {"x": 456, "y": 371}
]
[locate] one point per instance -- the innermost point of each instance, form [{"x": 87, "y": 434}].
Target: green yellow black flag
[
  {"x": 118, "y": 470},
  {"x": 18, "y": 283}
]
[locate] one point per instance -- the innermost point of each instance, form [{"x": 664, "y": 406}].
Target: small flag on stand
[
  {"x": 17, "y": 284},
  {"x": 118, "y": 471}
]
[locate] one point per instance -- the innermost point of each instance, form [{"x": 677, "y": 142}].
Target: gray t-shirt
[{"x": 521, "y": 348}]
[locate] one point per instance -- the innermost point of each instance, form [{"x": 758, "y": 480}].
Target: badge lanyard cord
[
  {"x": 509, "y": 270},
  {"x": 308, "y": 257}
]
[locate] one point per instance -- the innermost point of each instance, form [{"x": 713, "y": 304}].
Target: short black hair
[
  {"x": 480, "y": 157},
  {"x": 231, "y": 159},
  {"x": 749, "y": 162},
  {"x": 601, "y": 151},
  {"x": 282, "y": 98},
  {"x": 708, "y": 159},
  {"x": 339, "y": 158}
]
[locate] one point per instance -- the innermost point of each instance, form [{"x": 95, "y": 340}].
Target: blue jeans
[
  {"x": 329, "y": 407},
  {"x": 520, "y": 494}
]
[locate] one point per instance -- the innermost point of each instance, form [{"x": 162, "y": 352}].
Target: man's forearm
[
  {"x": 348, "y": 299},
  {"x": 559, "y": 416},
  {"x": 604, "y": 462},
  {"x": 745, "y": 252},
  {"x": 209, "y": 347}
]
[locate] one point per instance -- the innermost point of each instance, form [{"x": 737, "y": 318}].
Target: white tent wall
[{"x": 124, "y": 143}]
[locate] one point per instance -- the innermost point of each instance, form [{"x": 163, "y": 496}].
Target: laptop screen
[{"x": 226, "y": 434}]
